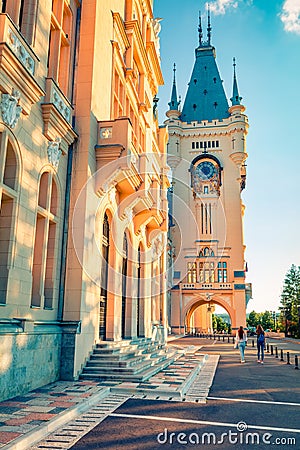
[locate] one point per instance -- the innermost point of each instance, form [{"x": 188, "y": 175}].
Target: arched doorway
[{"x": 200, "y": 313}]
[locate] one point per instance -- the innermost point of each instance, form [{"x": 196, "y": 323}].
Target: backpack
[{"x": 261, "y": 338}]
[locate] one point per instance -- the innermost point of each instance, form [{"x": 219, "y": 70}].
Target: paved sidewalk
[
  {"x": 32, "y": 416},
  {"x": 49, "y": 406},
  {"x": 248, "y": 400}
]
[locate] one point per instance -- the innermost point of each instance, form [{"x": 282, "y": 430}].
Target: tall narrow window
[
  {"x": 206, "y": 219},
  {"x": 139, "y": 273},
  {"x": 59, "y": 57},
  {"x": 222, "y": 272},
  {"x": 124, "y": 284},
  {"x": 23, "y": 13},
  {"x": 104, "y": 277},
  {"x": 192, "y": 272},
  {"x": 8, "y": 199},
  {"x": 206, "y": 272},
  {"x": 45, "y": 247}
]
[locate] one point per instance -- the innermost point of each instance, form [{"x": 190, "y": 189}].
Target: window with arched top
[
  {"x": 206, "y": 251},
  {"x": 45, "y": 244},
  {"x": 8, "y": 202}
]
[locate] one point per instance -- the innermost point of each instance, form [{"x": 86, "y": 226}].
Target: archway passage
[{"x": 208, "y": 317}]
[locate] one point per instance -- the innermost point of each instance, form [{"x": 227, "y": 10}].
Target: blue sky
[{"x": 264, "y": 36}]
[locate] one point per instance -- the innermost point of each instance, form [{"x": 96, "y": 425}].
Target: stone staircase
[{"x": 132, "y": 360}]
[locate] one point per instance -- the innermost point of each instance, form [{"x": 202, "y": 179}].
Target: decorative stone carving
[
  {"x": 157, "y": 29},
  {"x": 20, "y": 51},
  {"x": 10, "y": 108},
  {"x": 54, "y": 152},
  {"x": 105, "y": 133},
  {"x": 157, "y": 248}
]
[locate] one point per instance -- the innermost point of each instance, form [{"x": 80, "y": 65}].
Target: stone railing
[
  {"x": 206, "y": 286},
  {"x": 57, "y": 98}
]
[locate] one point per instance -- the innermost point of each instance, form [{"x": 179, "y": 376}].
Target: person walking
[
  {"x": 261, "y": 339},
  {"x": 240, "y": 342}
]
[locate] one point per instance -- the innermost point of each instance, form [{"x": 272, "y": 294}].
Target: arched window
[
  {"x": 8, "y": 201},
  {"x": 44, "y": 254},
  {"x": 206, "y": 251},
  {"x": 104, "y": 277}
]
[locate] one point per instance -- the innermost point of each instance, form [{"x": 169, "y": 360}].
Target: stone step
[
  {"x": 140, "y": 365},
  {"x": 116, "y": 370},
  {"x": 105, "y": 362},
  {"x": 134, "y": 378}
]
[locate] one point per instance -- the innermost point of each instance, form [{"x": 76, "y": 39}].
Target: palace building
[
  {"x": 207, "y": 154},
  {"x": 83, "y": 186}
]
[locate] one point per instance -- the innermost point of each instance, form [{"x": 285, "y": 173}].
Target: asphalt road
[{"x": 249, "y": 405}]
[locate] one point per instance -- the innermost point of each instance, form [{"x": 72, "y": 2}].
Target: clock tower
[{"x": 207, "y": 154}]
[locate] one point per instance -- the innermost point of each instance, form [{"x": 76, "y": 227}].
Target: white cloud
[
  {"x": 290, "y": 16},
  {"x": 220, "y": 6}
]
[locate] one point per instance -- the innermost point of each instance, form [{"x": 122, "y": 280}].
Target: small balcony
[
  {"x": 18, "y": 65},
  {"x": 57, "y": 115},
  {"x": 117, "y": 160}
]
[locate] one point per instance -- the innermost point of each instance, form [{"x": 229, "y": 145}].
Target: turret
[
  {"x": 173, "y": 111},
  {"x": 236, "y": 106}
]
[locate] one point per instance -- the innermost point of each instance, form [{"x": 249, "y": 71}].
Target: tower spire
[
  {"x": 208, "y": 25},
  {"x": 200, "y": 30},
  {"x": 174, "y": 103},
  {"x": 235, "y": 99}
]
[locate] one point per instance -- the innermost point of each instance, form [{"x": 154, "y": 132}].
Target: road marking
[
  {"x": 201, "y": 422},
  {"x": 268, "y": 402}
]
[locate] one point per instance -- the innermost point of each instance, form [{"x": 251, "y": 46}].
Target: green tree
[
  {"x": 266, "y": 320},
  {"x": 218, "y": 323},
  {"x": 290, "y": 299},
  {"x": 253, "y": 319}
]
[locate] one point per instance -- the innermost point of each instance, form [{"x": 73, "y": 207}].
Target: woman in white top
[{"x": 240, "y": 340}]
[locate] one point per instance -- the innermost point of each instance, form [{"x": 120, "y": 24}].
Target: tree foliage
[
  {"x": 290, "y": 301},
  {"x": 219, "y": 324},
  {"x": 265, "y": 319}
]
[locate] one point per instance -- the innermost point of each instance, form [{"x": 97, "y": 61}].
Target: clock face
[{"x": 205, "y": 170}]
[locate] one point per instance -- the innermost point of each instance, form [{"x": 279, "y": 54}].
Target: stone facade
[{"x": 83, "y": 182}]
